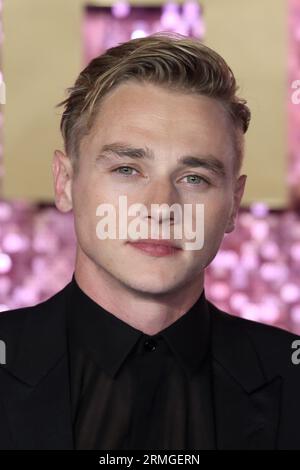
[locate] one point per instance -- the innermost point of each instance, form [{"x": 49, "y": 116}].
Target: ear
[
  {"x": 62, "y": 177},
  {"x": 237, "y": 197}
]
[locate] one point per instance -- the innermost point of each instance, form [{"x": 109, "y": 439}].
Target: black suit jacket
[{"x": 256, "y": 386}]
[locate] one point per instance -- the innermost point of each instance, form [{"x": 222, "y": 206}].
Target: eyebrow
[{"x": 209, "y": 162}]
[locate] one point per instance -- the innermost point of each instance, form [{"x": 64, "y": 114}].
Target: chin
[
  {"x": 152, "y": 291},
  {"x": 153, "y": 285}
]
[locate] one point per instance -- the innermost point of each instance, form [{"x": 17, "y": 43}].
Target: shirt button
[{"x": 150, "y": 345}]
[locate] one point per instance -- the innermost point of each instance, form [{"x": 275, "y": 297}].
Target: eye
[
  {"x": 124, "y": 170},
  {"x": 196, "y": 179}
]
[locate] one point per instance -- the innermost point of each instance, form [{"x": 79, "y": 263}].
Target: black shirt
[{"x": 132, "y": 391}]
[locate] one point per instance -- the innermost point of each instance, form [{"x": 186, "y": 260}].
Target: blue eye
[
  {"x": 196, "y": 179},
  {"x": 124, "y": 173}
]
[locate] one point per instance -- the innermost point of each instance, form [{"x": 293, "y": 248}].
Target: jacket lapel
[
  {"x": 246, "y": 401},
  {"x": 37, "y": 395}
]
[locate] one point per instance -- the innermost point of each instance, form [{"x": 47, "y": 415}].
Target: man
[{"x": 130, "y": 354}]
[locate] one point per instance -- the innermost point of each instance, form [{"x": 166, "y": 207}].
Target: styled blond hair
[{"x": 166, "y": 59}]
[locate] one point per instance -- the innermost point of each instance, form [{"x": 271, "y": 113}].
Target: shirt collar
[{"x": 109, "y": 339}]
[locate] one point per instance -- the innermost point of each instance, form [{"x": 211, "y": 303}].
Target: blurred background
[{"x": 44, "y": 44}]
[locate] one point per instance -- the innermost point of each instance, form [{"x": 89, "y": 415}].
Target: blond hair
[{"x": 166, "y": 59}]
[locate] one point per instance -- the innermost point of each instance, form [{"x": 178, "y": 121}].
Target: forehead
[{"x": 148, "y": 114}]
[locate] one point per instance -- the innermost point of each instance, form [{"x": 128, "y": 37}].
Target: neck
[{"x": 149, "y": 313}]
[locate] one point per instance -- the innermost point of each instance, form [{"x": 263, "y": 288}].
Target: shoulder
[
  {"x": 254, "y": 328},
  {"x": 13, "y": 321},
  {"x": 275, "y": 347}
]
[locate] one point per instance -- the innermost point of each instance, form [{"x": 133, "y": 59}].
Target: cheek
[
  {"x": 87, "y": 194},
  {"x": 84, "y": 210},
  {"x": 216, "y": 214}
]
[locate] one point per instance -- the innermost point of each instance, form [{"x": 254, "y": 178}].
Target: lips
[{"x": 156, "y": 247}]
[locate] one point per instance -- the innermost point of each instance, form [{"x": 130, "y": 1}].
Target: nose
[{"x": 160, "y": 196}]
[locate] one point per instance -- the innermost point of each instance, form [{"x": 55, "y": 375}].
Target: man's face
[{"x": 168, "y": 125}]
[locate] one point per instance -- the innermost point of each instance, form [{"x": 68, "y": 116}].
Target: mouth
[{"x": 156, "y": 248}]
